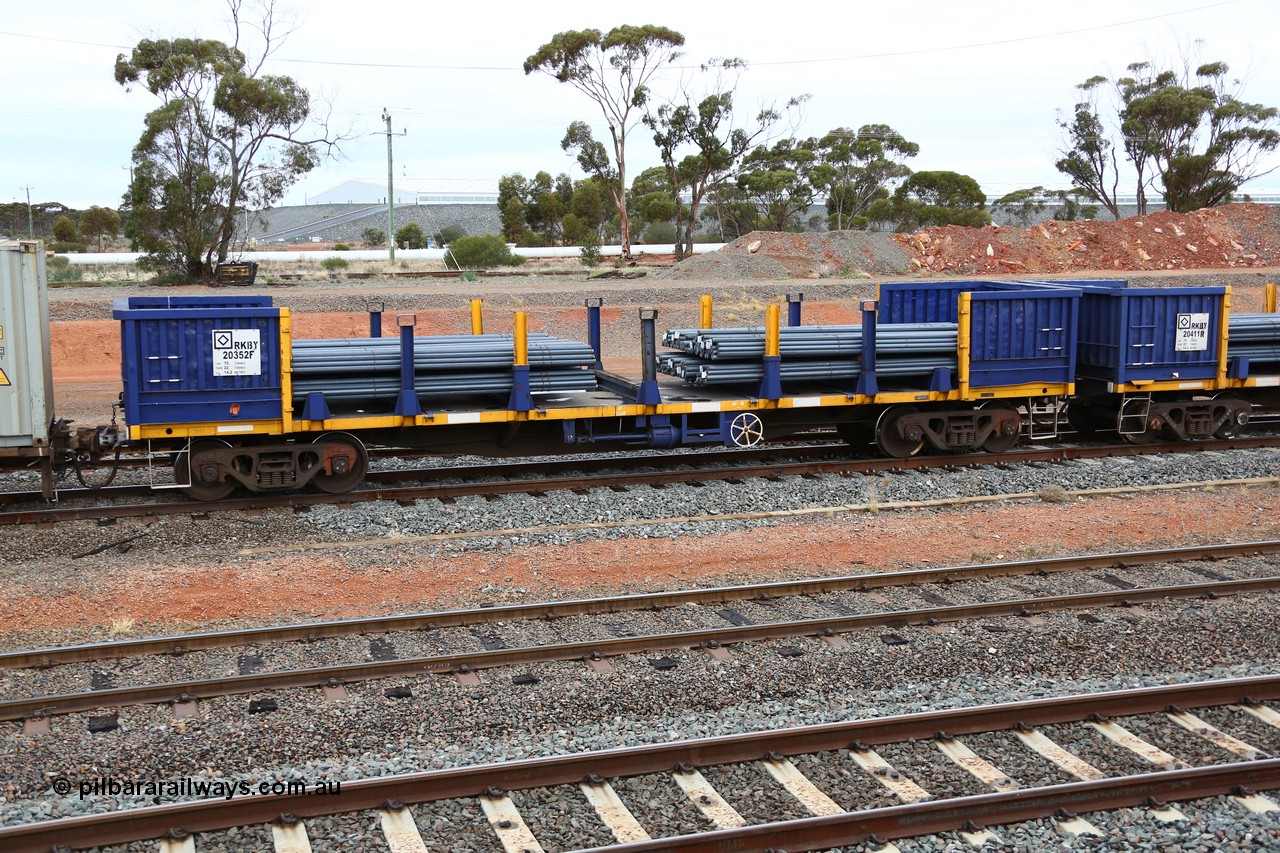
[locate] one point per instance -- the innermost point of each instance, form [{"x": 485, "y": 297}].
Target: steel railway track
[
  {"x": 596, "y": 652},
  {"x": 611, "y": 479},
  {"x": 1241, "y": 770}
]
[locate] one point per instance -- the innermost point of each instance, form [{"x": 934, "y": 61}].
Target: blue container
[
  {"x": 924, "y": 302},
  {"x": 197, "y": 302},
  {"x": 189, "y": 360},
  {"x": 1147, "y": 334},
  {"x": 1018, "y": 334}
]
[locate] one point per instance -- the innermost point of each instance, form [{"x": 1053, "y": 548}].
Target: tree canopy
[
  {"x": 97, "y": 221},
  {"x": 855, "y": 170},
  {"x": 1187, "y": 134},
  {"x": 225, "y": 137},
  {"x": 702, "y": 144},
  {"x": 928, "y": 199},
  {"x": 614, "y": 70}
]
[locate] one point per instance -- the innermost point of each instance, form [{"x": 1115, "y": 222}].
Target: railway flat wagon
[{"x": 225, "y": 390}]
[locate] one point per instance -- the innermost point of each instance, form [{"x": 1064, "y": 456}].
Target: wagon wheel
[
  {"x": 198, "y": 475},
  {"x": 1008, "y": 427},
  {"x": 1147, "y": 436},
  {"x": 1152, "y": 426},
  {"x": 890, "y": 436},
  {"x": 1236, "y": 424},
  {"x": 746, "y": 430},
  {"x": 344, "y": 462}
]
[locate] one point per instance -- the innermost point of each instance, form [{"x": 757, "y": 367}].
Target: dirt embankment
[{"x": 1238, "y": 236}]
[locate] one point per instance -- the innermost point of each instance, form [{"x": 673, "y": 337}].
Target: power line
[{"x": 852, "y": 58}]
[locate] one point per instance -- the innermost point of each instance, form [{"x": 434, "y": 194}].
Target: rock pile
[{"x": 1240, "y": 236}]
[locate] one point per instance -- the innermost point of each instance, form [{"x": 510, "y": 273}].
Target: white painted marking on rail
[
  {"x": 463, "y": 418},
  {"x": 799, "y": 786},
  {"x": 186, "y": 845},
  {"x": 513, "y": 833},
  {"x": 291, "y": 838},
  {"x": 1214, "y": 735},
  {"x": 613, "y": 812},
  {"x": 1074, "y": 765},
  {"x": 708, "y": 800},
  {"x": 235, "y": 427},
  {"x": 987, "y": 773},
  {"x": 1262, "y": 712},
  {"x": 704, "y": 407},
  {"x": 401, "y": 832},
  {"x": 883, "y": 772}
]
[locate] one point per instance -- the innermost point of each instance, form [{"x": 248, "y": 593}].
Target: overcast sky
[{"x": 977, "y": 85}]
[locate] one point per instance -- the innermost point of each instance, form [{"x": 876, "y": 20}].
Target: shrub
[
  {"x": 334, "y": 264},
  {"x": 449, "y": 233},
  {"x": 64, "y": 246},
  {"x": 590, "y": 249},
  {"x": 341, "y": 247},
  {"x": 65, "y": 274},
  {"x": 373, "y": 236},
  {"x": 481, "y": 253},
  {"x": 58, "y": 262},
  {"x": 64, "y": 229},
  {"x": 411, "y": 236},
  {"x": 659, "y": 232}
]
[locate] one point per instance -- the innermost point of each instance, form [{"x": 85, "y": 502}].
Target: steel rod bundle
[
  {"x": 462, "y": 352},
  {"x": 730, "y": 356},
  {"x": 353, "y": 370},
  {"x": 441, "y": 385},
  {"x": 1254, "y": 336},
  {"x": 811, "y": 370}
]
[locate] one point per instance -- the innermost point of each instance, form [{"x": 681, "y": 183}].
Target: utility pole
[
  {"x": 391, "y": 195},
  {"x": 31, "y": 223}
]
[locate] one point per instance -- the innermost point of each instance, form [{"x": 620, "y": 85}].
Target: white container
[{"x": 26, "y": 376}]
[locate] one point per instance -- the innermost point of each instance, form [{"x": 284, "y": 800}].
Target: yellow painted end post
[
  {"x": 772, "y": 333},
  {"x": 963, "y": 349},
  {"x": 477, "y": 316},
  {"x": 286, "y": 370},
  {"x": 1269, "y": 297},
  {"x": 1224, "y": 322},
  {"x": 522, "y": 339},
  {"x": 704, "y": 312}
]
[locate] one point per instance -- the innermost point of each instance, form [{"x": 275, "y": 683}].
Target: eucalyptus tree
[
  {"x": 857, "y": 169},
  {"x": 1186, "y": 133},
  {"x": 614, "y": 70},
  {"x": 702, "y": 142},
  {"x": 225, "y": 137}
]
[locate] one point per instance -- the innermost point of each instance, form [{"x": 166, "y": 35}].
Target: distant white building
[{"x": 411, "y": 191}]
